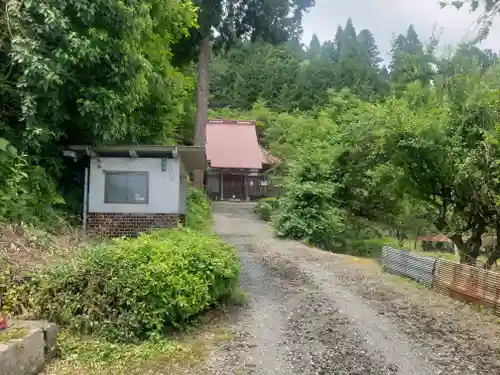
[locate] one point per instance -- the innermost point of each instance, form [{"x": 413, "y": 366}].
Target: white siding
[
  {"x": 183, "y": 186},
  {"x": 164, "y": 191}
]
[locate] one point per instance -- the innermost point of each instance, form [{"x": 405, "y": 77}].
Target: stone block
[
  {"x": 50, "y": 331},
  {"x": 24, "y": 355}
]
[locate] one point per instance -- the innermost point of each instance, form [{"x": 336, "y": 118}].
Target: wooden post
[
  {"x": 221, "y": 181},
  {"x": 245, "y": 182},
  {"x": 85, "y": 199}
]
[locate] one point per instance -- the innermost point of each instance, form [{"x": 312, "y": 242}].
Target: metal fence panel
[
  {"x": 459, "y": 281},
  {"x": 468, "y": 284},
  {"x": 409, "y": 264}
]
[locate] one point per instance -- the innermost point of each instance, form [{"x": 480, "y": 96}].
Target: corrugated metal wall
[
  {"x": 459, "y": 281},
  {"x": 409, "y": 264}
]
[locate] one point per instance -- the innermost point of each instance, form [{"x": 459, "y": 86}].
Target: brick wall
[{"x": 129, "y": 224}]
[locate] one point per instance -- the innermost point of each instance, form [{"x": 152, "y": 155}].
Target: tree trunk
[
  {"x": 495, "y": 254},
  {"x": 492, "y": 258},
  {"x": 469, "y": 250},
  {"x": 202, "y": 102}
]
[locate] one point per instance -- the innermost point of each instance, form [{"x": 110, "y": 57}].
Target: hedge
[{"x": 129, "y": 289}]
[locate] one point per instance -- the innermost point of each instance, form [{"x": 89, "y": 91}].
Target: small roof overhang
[{"x": 193, "y": 157}]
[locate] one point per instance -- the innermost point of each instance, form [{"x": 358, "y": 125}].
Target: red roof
[{"x": 233, "y": 144}]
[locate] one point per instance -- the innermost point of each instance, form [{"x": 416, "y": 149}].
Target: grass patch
[
  {"x": 13, "y": 333},
  {"x": 436, "y": 254},
  {"x": 400, "y": 278},
  {"x": 93, "y": 355},
  {"x": 199, "y": 210},
  {"x": 238, "y": 297}
]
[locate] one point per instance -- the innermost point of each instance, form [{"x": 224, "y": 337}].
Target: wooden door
[{"x": 234, "y": 186}]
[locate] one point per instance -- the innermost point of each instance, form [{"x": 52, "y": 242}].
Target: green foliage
[
  {"x": 199, "y": 210},
  {"x": 239, "y": 297},
  {"x": 100, "y": 70},
  {"x": 265, "y": 207},
  {"x": 74, "y": 72},
  {"x": 249, "y": 72},
  {"x": 368, "y": 163},
  {"x": 365, "y": 238},
  {"x": 306, "y": 209},
  {"x": 27, "y": 192},
  {"x": 130, "y": 289},
  {"x": 287, "y": 79},
  {"x": 88, "y": 355},
  {"x": 411, "y": 62},
  {"x": 421, "y": 162}
]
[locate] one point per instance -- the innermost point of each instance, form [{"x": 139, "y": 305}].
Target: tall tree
[
  {"x": 348, "y": 43},
  {"x": 272, "y": 21},
  {"x": 339, "y": 34},
  {"x": 252, "y": 71},
  {"x": 348, "y": 48},
  {"x": 369, "y": 48},
  {"x": 413, "y": 43},
  {"x": 330, "y": 50},
  {"x": 314, "y": 47},
  {"x": 410, "y": 61},
  {"x": 358, "y": 61},
  {"x": 95, "y": 72}
]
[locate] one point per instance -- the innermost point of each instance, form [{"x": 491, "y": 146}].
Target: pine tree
[
  {"x": 413, "y": 44},
  {"x": 349, "y": 43},
  {"x": 338, "y": 37},
  {"x": 274, "y": 22},
  {"x": 330, "y": 51},
  {"x": 369, "y": 48},
  {"x": 410, "y": 62},
  {"x": 314, "y": 47}
]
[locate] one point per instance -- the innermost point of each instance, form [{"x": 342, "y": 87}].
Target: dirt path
[{"x": 311, "y": 312}]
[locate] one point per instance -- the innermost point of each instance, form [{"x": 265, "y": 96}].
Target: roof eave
[{"x": 193, "y": 157}]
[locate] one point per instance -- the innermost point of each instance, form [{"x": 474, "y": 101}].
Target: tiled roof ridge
[{"x": 236, "y": 122}]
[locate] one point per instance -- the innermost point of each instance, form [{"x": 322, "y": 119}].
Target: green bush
[
  {"x": 306, "y": 210},
  {"x": 129, "y": 289},
  {"x": 27, "y": 193},
  {"x": 199, "y": 210},
  {"x": 265, "y": 208}
]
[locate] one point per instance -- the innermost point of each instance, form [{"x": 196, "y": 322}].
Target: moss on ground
[
  {"x": 80, "y": 355},
  {"x": 13, "y": 333}
]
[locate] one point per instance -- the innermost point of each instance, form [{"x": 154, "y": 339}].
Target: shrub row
[
  {"x": 199, "y": 210},
  {"x": 265, "y": 208},
  {"x": 304, "y": 214},
  {"x": 129, "y": 289}
]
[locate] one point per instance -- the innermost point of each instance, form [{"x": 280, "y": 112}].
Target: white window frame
[{"x": 107, "y": 199}]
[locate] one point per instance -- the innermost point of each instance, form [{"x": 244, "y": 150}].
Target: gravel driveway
[{"x": 312, "y": 312}]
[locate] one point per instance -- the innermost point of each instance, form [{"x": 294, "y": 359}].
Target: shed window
[{"x": 127, "y": 187}]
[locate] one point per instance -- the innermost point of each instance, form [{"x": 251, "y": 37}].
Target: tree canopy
[
  {"x": 76, "y": 72},
  {"x": 374, "y": 151},
  {"x": 288, "y": 79}
]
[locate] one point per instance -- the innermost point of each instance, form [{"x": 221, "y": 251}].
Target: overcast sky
[{"x": 386, "y": 17}]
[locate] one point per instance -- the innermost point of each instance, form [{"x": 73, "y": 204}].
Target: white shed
[{"x": 131, "y": 189}]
